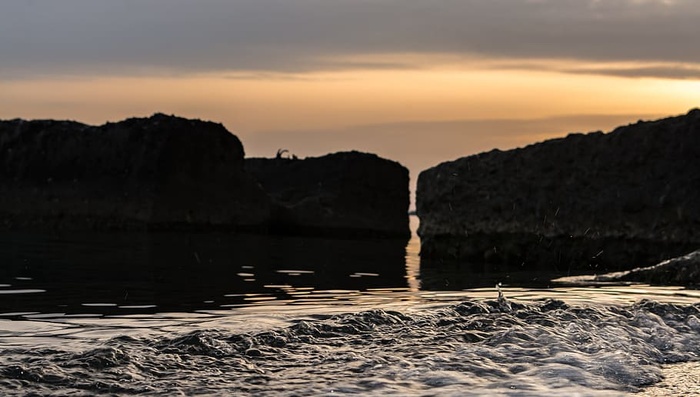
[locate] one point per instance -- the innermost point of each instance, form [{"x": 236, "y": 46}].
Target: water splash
[
  {"x": 471, "y": 348},
  {"x": 503, "y": 303}
]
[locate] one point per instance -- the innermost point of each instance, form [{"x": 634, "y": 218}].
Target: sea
[{"x": 220, "y": 314}]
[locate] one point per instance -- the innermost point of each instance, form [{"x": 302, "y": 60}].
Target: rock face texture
[
  {"x": 680, "y": 271},
  {"x": 346, "y": 193},
  {"x": 155, "y": 172},
  {"x": 593, "y": 200},
  {"x": 684, "y": 271}
]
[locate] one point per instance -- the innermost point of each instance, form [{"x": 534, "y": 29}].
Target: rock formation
[
  {"x": 155, "y": 172},
  {"x": 684, "y": 270},
  {"x": 346, "y": 193},
  {"x": 680, "y": 271},
  {"x": 600, "y": 201},
  {"x": 169, "y": 172}
]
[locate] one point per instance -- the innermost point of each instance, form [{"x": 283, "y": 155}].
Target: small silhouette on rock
[{"x": 345, "y": 193}]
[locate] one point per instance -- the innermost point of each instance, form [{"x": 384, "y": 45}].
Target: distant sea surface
[{"x": 222, "y": 314}]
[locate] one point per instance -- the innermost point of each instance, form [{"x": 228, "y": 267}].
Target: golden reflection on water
[
  {"x": 413, "y": 257},
  {"x": 339, "y": 301}
]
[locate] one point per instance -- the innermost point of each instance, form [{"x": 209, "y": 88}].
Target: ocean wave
[{"x": 470, "y": 348}]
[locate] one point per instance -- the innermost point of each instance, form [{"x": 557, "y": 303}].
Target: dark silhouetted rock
[
  {"x": 684, "y": 270},
  {"x": 680, "y": 271},
  {"x": 347, "y": 193},
  {"x": 155, "y": 172},
  {"x": 599, "y": 201}
]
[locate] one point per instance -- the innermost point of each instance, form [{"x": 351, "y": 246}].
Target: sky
[{"x": 417, "y": 81}]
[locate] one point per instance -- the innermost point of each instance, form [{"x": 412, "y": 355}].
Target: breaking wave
[{"x": 497, "y": 347}]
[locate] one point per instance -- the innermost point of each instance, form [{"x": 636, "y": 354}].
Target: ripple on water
[{"x": 474, "y": 347}]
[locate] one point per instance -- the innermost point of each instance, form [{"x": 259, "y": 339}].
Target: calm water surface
[{"x": 216, "y": 314}]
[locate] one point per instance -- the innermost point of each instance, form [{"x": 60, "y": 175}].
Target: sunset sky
[{"x": 418, "y": 81}]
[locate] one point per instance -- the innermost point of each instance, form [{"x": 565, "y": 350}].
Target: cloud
[
  {"x": 293, "y": 36},
  {"x": 668, "y": 71}
]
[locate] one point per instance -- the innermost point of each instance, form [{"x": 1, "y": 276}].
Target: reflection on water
[
  {"x": 222, "y": 314},
  {"x": 51, "y": 275},
  {"x": 121, "y": 272}
]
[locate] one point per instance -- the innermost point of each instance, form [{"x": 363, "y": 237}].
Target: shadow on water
[
  {"x": 158, "y": 272},
  {"x": 134, "y": 273},
  {"x": 532, "y": 261}
]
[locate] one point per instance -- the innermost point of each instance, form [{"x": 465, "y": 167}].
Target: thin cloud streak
[
  {"x": 131, "y": 37},
  {"x": 674, "y": 72}
]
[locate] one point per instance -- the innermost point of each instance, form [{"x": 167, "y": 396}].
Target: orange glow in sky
[{"x": 324, "y": 100}]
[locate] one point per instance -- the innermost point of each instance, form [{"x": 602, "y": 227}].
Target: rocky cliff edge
[{"x": 586, "y": 200}]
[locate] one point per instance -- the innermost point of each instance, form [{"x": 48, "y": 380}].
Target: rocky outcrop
[
  {"x": 155, "y": 172},
  {"x": 684, "y": 271},
  {"x": 681, "y": 271},
  {"x": 347, "y": 193},
  {"x": 577, "y": 202},
  {"x": 170, "y": 172}
]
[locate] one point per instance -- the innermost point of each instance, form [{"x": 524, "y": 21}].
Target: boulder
[
  {"x": 681, "y": 271},
  {"x": 583, "y": 201},
  {"x": 343, "y": 194},
  {"x": 684, "y": 271},
  {"x": 156, "y": 172}
]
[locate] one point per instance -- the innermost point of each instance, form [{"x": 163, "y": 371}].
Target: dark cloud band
[{"x": 182, "y": 36}]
